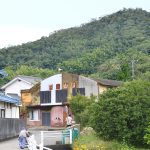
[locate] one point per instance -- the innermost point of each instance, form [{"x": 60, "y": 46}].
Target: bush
[
  {"x": 80, "y": 106},
  {"x": 147, "y": 135},
  {"x": 123, "y": 113}
]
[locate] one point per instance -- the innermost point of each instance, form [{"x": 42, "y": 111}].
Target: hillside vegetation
[{"x": 115, "y": 47}]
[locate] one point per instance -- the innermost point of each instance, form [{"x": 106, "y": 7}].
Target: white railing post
[
  {"x": 42, "y": 141},
  {"x": 70, "y": 135}
]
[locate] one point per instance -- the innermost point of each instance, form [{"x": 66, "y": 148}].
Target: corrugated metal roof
[{"x": 5, "y": 98}]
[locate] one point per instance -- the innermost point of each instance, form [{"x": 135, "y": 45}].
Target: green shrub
[
  {"x": 80, "y": 106},
  {"x": 123, "y": 113},
  {"x": 147, "y": 135}
]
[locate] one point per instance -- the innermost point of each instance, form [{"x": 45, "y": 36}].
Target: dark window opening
[
  {"x": 76, "y": 91},
  {"x": 61, "y": 96},
  {"x": 51, "y": 87},
  {"x": 45, "y": 97},
  {"x": 57, "y": 86}
]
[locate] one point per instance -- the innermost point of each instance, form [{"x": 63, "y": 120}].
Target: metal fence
[{"x": 10, "y": 127}]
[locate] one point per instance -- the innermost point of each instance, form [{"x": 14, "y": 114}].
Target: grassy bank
[{"x": 89, "y": 141}]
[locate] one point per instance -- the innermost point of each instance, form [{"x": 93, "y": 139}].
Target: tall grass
[{"x": 91, "y": 142}]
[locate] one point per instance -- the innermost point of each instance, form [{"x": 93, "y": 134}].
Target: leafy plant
[
  {"x": 147, "y": 135},
  {"x": 123, "y": 113}
]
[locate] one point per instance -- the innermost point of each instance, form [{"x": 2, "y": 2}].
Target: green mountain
[{"x": 116, "y": 46}]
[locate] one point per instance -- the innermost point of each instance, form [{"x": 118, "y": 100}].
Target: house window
[
  {"x": 2, "y": 113},
  {"x": 57, "y": 86},
  {"x": 6, "y": 105},
  {"x": 34, "y": 115},
  {"x": 74, "y": 84},
  {"x": 61, "y": 96},
  {"x": 65, "y": 85},
  {"x": 76, "y": 91},
  {"x": 51, "y": 87},
  {"x": 10, "y": 105},
  {"x": 45, "y": 97}
]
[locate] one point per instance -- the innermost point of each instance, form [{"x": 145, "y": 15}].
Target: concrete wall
[
  {"x": 91, "y": 87},
  {"x": 10, "y": 127},
  {"x": 69, "y": 81},
  {"x": 102, "y": 89}
]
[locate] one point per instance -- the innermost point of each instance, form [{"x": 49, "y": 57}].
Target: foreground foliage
[
  {"x": 120, "y": 114},
  {"x": 123, "y": 113},
  {"x": 147, "y": 135}
]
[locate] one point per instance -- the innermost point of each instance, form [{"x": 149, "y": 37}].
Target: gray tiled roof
[
  {"x": 30, "y": 79},
  {"x": 108, "y": 82}
]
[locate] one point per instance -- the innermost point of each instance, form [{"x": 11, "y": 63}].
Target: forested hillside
[{"x": 116, "y": 46}]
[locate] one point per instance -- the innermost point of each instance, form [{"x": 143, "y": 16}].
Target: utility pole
[{"x": 132, "y": 65}]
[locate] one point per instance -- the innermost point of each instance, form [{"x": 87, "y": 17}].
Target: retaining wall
[{"x": 10, "y": 127}]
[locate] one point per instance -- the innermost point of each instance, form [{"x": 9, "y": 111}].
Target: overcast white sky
[{"x": 23, "y": 21}]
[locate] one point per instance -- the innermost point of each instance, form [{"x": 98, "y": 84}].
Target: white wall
[
  {"x": 8, "y": 113},
  {"x": 15, "y": 112},
  {"x": 12, "y": 112},
  {"x": 53, "y": 80},
  {"x": 1, "y": 104},
  {"x": 90, "y": 86},
  {"x": 17, "y": 86}
]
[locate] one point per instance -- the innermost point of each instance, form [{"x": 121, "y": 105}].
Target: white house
[{"x": 14, "y": 87}]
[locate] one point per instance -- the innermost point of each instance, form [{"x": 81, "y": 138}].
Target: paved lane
[{"x": 11, "y": 144}]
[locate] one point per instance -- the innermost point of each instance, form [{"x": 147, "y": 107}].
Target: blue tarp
[
  {"x": 8, "y": 99},
  {"x": 3, "y": 73}
]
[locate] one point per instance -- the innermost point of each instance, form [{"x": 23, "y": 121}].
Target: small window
[
  {"x": 74, "y": 84},
  {"x": 10, "y": 105},
  {"x": 57, "y": 86},
  {"x": 7, "y": 105},
  {"x": 65, "y": 85},
  {"x": 51, "y": 87},
  {"x": 2, "y": 113},
  {"x": 34, "y": 115}
]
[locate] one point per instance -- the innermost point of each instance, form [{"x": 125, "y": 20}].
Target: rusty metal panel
[{"x": 57, "y": 116}]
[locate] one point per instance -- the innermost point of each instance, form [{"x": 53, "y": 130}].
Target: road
[{"x": 11, "y": 144}]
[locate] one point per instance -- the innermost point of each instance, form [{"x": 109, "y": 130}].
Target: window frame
[{"x": 32, "y": 114}]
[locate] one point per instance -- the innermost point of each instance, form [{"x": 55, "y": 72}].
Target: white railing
[
  {"x": 46, "y": 138},
  {"x": 32, "y": 145},
  {"x": 56, "y": 137}
]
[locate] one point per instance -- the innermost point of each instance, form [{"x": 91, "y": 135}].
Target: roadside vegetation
[
  {"x": 121, "y": 114},
  {"x": 89, "y": 141}
]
